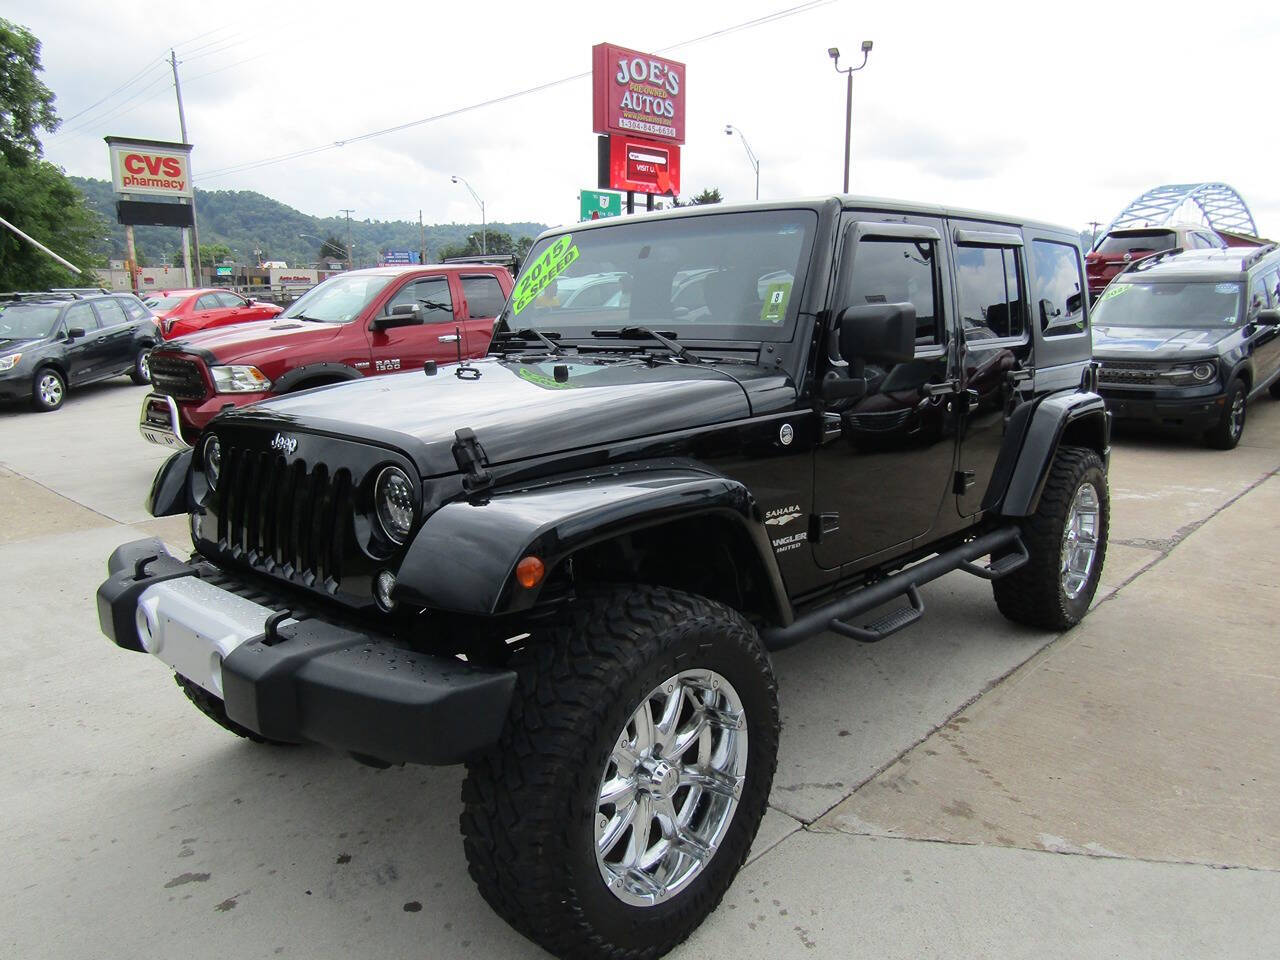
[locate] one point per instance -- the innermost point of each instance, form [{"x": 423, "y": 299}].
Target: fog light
[
  {"x": 383, "y": 584},
  {"x": 529, "y": 572}
]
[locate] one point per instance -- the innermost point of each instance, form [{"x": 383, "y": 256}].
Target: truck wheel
[
  {"x": 1227, "y": 432},
  {"x": 48, "y": 390},
  {"x": 213, "y": 708},
  {"x": 141, "y": 372},
  {"x": 1067, "y": 540},
  {"x": 631, "y": 777},
  {"x": 1274, "y": 389}
]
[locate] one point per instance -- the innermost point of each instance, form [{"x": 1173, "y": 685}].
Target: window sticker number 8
[{"x": 776, "y": 298}]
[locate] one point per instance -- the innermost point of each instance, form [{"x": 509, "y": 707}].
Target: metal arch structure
[{"x": 1223, "y": 208}]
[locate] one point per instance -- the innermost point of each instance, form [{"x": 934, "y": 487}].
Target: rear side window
[
  {"x": 1057, "y": 299},
  {"x": 990, "y": 293},
  {"x": 110, "y": 312},
  {"x": 133, "y": 308},
  {"x": 484, "y": 296},
  {"x": 1137, "y": 241},
  {"x": 899, "y": 271}
]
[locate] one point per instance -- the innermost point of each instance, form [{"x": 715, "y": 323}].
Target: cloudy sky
[{"x": 1054, "y": 111}]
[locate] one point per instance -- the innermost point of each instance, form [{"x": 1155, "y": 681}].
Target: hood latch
[{"x": 470, "y": 457}]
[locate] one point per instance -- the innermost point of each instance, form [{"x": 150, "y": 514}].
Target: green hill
[{"x": 246, "y": 221}]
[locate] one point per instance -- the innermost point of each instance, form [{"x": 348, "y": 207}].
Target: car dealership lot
[{"x": 967, "y": 787}]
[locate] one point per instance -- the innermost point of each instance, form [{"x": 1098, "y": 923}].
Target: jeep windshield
[
  {"x": 27, "y": 321},
  {"x": 730, "y": 276},
  {"x": 339, "y": 299},
  {"x": 1169, "y": 303}
]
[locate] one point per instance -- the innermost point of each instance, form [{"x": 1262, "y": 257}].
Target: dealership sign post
[
  {"x": 638, "y": 104},
  {"x": 160, "y": 172}
]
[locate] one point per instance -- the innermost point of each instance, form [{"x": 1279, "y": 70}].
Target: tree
[
  {"x": 332, "y": 249},
  {"x": 35, "y": 195},
  {"x": 496, "y": 243},
  {"x": 709, "y": 195},
  {"x": 212, "y": 254},
  {"x": 26, "y": 104}
]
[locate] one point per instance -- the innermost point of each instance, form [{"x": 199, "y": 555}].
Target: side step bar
[{"x": 835, "y": 615}]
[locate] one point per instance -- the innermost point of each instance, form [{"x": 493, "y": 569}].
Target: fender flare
[
  {"x": 463, "y": 558},
  {"x": 168, "y": 494},
  {"x": 1079, "y": 418},
  {"x": 338, "y": 371}
]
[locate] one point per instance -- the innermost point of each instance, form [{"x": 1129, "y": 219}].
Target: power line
[
  {"x": 115, "y": 111},
  {"x": 246, "y": 166},
  {"x": 137, "y": 76}
]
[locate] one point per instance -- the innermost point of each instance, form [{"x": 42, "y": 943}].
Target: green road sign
[{"x": 597, "y": 204}]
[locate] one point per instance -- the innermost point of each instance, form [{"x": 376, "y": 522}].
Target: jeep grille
[
  {"x": 179, "y": 377},
  {"x": 283, "y": 518}
]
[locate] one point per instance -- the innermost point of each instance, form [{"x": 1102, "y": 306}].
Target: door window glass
[
  {"x": 81, "y": 315},
  {"x": 208, "y": 302},
  {"x": 1058, "y": 300},
  {"x": 431, "y": 293},
  {"x": 132, "y": 307},
  {"x": 110, "y": 313},
  {"x": 990, "y": 293},
  {"x": 899, "y": 271},
  {"x": 1258, "y": 299},
  {"x": 484, "y": 295},
  {"x": 229, "y": 300}
]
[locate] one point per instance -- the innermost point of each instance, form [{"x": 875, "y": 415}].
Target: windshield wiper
[
  {"x": 303, "y": 316},
  {"x": 529, "y": 333},
  {"x": 666, "y": 338}
]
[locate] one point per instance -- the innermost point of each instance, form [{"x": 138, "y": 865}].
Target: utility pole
[
  {"x": 350, "y": 261},
  {"x": 422, "y": 240},
  {"x": 194, "y": 253},
  {"x": 1094, "y": 225}
]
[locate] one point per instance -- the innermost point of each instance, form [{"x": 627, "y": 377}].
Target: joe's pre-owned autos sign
[
  {"x": 637, "y": 93},
  {"x": 152, "y": 168}
]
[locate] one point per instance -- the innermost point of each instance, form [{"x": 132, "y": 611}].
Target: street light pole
[
  {"x": 834, "y": 54},
  {"x": 730, "y": 129},
  {"x": 484, "y": 248}
]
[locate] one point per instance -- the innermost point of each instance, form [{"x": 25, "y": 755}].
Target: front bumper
[
  {"x": 179, "y": 423},
  {"x": 1165, "y": 408},
  {"x": 301, "y": 679}
]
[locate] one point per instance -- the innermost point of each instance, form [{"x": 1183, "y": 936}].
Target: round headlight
[
  {"x": 212, "y": 462},
  {"x": 393, "y": 495},
  {"x": 1204, "y": 371}
]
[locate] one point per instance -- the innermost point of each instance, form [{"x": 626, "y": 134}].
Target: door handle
[
  {"x": 943, "y": 389},
  {"x": 1020, "y": 375},
  {"x": 448, "y": 338}
]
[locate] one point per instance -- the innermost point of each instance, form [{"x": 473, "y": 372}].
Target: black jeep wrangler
[{"x": 565, "y": 565}]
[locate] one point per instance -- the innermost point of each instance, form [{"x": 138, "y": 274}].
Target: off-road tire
[
  {"x": 213, "y": 708},
  {"x": 48, "y": 390},
  {"x": 1033, "y": 594},
  {"x": 141, "y": 374},
  {"x": 529, "y": 803},
  {"x": 1274, "y": 389},
  {"x": 1225, "y": 434}
]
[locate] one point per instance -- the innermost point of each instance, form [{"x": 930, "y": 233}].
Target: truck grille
[
  {"x": 284, "y": 519},
  {"x": 177, "y": 376},
  {"x": 1127, "y": 371}
]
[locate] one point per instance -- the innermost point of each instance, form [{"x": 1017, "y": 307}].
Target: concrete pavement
[{"x": 967, "y": 788}]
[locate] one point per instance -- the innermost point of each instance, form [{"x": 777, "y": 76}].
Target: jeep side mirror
[
  {"x": 401, "y": 315},
  {"x": 882, "y": 333},
  {"x": 75, "y": 333},
  {"x": 1269, "y": 316}
]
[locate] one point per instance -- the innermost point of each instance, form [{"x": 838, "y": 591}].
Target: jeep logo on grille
[{"x": 285, "y": 445}]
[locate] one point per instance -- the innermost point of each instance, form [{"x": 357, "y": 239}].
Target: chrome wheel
[
  {"x": 1080, "y": 540},
  {"x": 50, "y": 389},
  {"x": 1236, "y": 425},
  {"x": 144, "y": 366},
  {"x": 670, "y": 787}
]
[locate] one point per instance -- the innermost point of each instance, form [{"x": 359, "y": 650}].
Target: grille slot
[
  {"x": 1127, "y": 371},
  {"x": 283, "y": 518},
  {"x": 177, "y": 376}
]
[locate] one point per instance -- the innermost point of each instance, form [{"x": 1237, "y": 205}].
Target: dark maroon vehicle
[{"x": 1119, "y": 248}]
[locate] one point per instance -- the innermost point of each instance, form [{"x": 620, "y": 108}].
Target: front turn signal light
[{"x": 530, "y": 571}]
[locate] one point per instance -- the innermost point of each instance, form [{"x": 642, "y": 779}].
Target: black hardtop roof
[
  {"x": 845, "y": 201},
  {"x": 1233, "y": 263}
]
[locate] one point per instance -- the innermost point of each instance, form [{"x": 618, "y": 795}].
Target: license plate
[{"x": 159, "y": 422}]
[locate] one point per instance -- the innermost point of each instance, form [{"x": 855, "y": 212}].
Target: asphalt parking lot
[{"x": 968, "y": 788}]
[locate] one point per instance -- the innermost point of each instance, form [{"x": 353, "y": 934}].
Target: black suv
[
  {"x": 1186, "y": 339},
  {"x": 52, "y": 341},
  {"x": 565, "y": 564}
]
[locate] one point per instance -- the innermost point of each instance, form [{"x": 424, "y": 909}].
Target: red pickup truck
[{"x": 356, "y": 324}]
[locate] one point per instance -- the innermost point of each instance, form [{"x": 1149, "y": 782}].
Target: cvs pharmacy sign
[{"x": 151, "y": 167}]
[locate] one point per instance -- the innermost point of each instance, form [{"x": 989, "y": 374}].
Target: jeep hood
[
  {"x": 518, "y": 409},
  {"x": 257, "y": 340},
  {"x": 1157, "y": 343}
]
